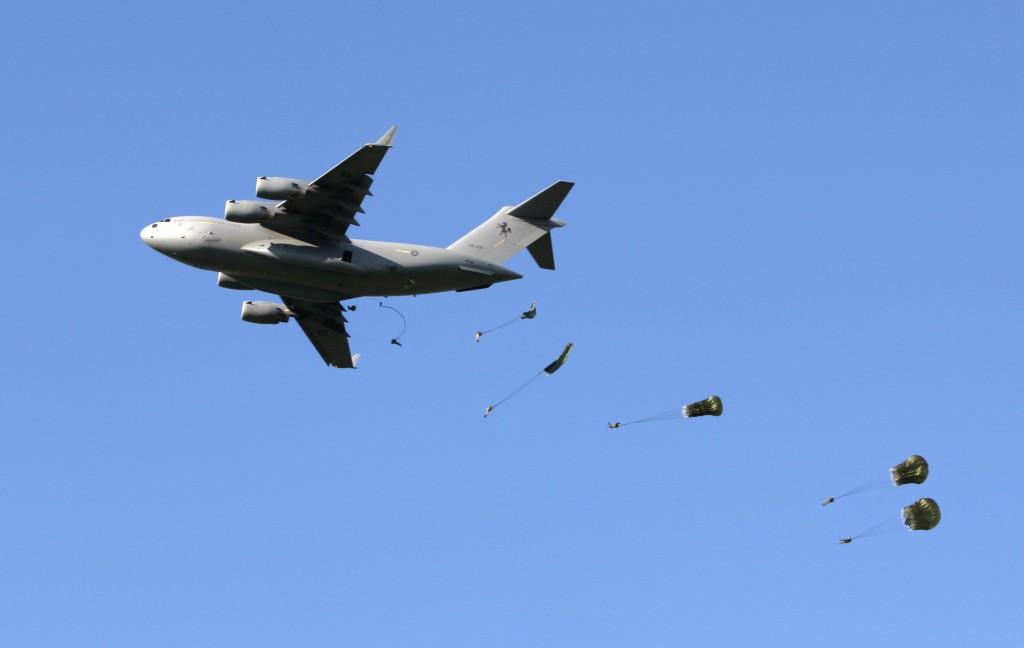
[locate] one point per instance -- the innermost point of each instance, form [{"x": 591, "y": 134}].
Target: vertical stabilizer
[{"x": 527, "y": 225}]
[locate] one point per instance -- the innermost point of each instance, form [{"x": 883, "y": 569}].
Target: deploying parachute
[
  {"x": 912, "y": 471},
  {"x": 559, "y": 361},
  {"x": 525, "y": 315},
  {"x": 710, "y": 406},
  {"x": 922, "y": 515},
  {"x": 550, "y": 369}
]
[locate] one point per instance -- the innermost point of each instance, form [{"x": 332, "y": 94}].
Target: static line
[
  {"x": 661, "y": 416},
  {"x": 491, "y": 408},
  {"x": 395, "y": 340}
]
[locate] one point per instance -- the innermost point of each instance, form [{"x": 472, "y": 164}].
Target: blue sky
[{"x": 813, "y": 211}]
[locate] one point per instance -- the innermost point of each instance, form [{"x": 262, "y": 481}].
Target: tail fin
[{"x": 527, "y": 225}]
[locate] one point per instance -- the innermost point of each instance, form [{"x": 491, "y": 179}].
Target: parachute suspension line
[
  {"x": 494, "y": 406},
  {"x": 661, "y": 416},
  {"x": 871, "y": 484},
  {"x": 395, "y": 340},
  {"x": 480, "y": 334},
  {"x": 519, "y": 388},
  {"x": 884, "y": 526}
]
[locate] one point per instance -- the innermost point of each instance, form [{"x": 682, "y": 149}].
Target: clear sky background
[{"x": 813, "y": 210}]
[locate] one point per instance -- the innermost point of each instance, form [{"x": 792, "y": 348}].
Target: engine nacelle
[
  {"x": 249, "y": 211},
  {"x": 227, "y": 281},
  {"x": 273, "y": 188},
  {"x": 261, "y": 312}
]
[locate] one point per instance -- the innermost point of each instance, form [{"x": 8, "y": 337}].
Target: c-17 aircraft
[{"x": 298, "y": 248}]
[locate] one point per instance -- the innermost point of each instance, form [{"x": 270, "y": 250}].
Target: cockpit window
[{"x": 153, "y": 225}]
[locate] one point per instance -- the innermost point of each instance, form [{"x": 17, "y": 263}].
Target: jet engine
[
  {"x": 261, "y": 312},
  {"x": 227, "y": 281},
  {"x": 273, "y": 188},
  {"x": 249, "y": 211}
]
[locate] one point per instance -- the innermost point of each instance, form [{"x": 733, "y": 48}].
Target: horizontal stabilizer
[{"x": 543, "y": 205}]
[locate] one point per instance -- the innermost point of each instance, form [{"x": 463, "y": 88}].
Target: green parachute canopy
[
  {"x": 559, "y": 361},
  {"x": 710, "y": 406},
  {"x": 922, "y": 515},
  {"x": 912, "y": 471}
]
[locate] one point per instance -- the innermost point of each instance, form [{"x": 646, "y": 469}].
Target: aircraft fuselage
[{"x": 262, "y": 259}]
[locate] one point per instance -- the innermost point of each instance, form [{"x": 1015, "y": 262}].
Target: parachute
[
  {"x": 525, "y": 315},
  {"x": 912, "y": 471},
  {"x": 559, "y": 361},
  {"x": 395, "y": 340},
  {"x": 710, "y": 406},
  {"x": 550, "y": 369},
  {"x": 922, "y": 515}
]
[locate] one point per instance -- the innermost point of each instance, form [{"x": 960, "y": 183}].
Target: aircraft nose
[{"x": 148, "y": 235}]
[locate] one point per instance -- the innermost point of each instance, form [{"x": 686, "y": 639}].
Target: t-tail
[{"x": 527, "y": 225}]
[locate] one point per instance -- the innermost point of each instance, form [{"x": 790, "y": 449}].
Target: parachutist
[
  {"x": 351, "y": 308},
  {"x": 828, "y": 500},
  {"x": 477, "y": 335},
  {"x": 530, "y": 314},
  {"x": 395, "y": 342},
  {"x": 615, "y": 425},
  {"x": 490, "y": 408},
  {"x": 845, "y": 540}
]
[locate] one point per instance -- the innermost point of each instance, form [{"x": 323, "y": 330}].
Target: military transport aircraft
[{"x": 298, "y": 247}]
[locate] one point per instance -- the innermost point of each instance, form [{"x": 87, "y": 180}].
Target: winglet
[{"x": 385, "y": 139}]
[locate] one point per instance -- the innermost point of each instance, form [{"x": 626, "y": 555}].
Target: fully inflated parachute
[
  {"x": 710, "y": 406},
  {"x": 922, "y": 515},
  {"x": 914, "y": 470}
]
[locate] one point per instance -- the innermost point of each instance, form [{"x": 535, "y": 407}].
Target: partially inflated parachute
[{"x": 922, "y": 515}]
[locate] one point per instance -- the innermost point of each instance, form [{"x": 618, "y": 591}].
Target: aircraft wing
[
  {"x": 331, "y": 202},
  {"x": 324, "y": 325}
]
